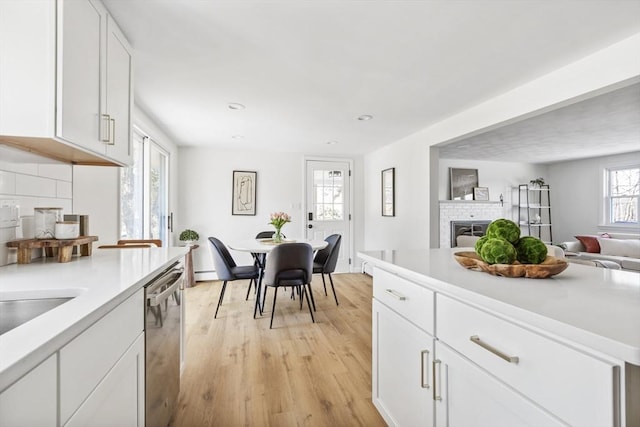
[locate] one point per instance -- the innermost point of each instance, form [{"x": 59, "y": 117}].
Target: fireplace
[{"x": 468, "y": 228}]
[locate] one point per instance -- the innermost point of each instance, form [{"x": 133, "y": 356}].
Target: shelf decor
[
  {"x": 244, "y": 193},
  {"x": 481, "y": 193},
  {"x": 462, "y": 183},
  {"x": 388, "y": 192}
]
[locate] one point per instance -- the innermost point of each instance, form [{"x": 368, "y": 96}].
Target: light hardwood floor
[{"x": 241, "y": 373}]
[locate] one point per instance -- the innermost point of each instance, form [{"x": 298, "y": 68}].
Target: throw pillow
[
  {"x": 590, "y": 243},
  {"x": 620, "y": 247}
]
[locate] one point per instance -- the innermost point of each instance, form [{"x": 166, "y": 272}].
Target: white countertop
[
  {"x": 101, "y": 282},
  {"x": 595, "y": 307}
]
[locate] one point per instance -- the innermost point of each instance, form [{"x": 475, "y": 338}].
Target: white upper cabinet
[
  {"x": 118, "y": 94},
  {"x": 66, "y": 86},
  {"x": 78, "y": 63}
]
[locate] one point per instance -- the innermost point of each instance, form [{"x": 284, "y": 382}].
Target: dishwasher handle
[{"x": 157, "y": 299}]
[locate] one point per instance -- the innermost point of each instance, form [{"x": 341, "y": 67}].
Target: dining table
[{"x": 259, "y": 249}]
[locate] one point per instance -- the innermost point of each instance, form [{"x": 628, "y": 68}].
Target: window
[
  {"x": 622, "y": 189},
  {"x": 144, "y": 191}
]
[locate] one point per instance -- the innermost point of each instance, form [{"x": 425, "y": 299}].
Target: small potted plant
[
  {"x": 189, "y": 237},
  {"x": 537, "y": 183}
]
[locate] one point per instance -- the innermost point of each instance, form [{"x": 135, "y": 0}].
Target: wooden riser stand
[{"x": 62, "y": 248}]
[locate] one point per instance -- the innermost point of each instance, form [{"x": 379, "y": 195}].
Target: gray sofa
[{"x": 620, "y": 248}]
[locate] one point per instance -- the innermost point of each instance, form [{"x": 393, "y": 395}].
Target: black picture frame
[
  {"x": 462, "y": 183},
  {"x": 243, "y": 200},
  {"x": 388, "y": 192}
]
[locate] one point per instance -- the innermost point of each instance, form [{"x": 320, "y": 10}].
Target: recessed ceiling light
[
  {"x": 332, "y": 142},
  {"x": 236, "y": 106},
  {"x": 365, "y": 117},
  {"x": 237, "y": 137}
]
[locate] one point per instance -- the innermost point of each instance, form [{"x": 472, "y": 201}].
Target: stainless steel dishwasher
[{"x": 163, "y": 296}]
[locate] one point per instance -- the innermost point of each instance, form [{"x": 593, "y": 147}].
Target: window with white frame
[
  {"x": 622, "y": 190},
  {"x": 144, "y": 191}
]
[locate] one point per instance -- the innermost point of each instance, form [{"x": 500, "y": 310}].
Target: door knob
[{"x": 310, "y": 226}]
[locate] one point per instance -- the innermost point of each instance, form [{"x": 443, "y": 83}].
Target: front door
[{"x": 328, "y": 201}]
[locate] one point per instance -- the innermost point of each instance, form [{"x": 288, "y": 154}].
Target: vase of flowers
[{"x": 278, "y": 220}]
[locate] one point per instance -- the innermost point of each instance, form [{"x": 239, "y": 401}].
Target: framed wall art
[
  {"x": 462, "y": 182},
  {"x": 388, "y": 192},
  {"x": 480, "y": 193},
  {"x": 244, "y": 193}
]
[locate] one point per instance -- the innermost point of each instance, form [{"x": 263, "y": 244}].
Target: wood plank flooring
[{"x": 241, "y": 373}]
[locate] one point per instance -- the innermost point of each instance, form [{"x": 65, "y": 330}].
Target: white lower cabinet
[
  {"x": 106, "y": 356},
  {"x": 402, "y": 382},
  {"x": 466, "y": 396},
  {"x": 33, "y": 400},
  {"x": 117, "y": 400}
]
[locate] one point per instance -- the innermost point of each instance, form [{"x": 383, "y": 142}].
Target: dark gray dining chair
[
  {"x": 326, "y": 259},
  {"x": 290, "y": 264},
  {"x": 258, "y": 260},
  {"x": 227, "y": 270}
]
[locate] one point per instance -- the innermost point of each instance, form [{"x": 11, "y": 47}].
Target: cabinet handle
[
  {"x": 437, "y": 363},
  {"x": 424, "y": 384},
  {"x": 112, "y": 132},
  {"x": 511, "y": 359},
  {"x": 396, "y": 294},
  {"x": 107, "y": 118}
]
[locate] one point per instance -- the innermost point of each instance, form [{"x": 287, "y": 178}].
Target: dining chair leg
[
  {"x": 273, "y": 308},
  {"x": 324, "y": 284},
  {"x": 224, "y": 286},
  {"x": 333, "y": 289},
  {"x": 249, "y": 290},
  {"x": 313, "y": 301},
  {"x": 304, "y": 289}
]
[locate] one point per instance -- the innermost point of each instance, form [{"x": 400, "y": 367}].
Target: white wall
[
  {"x": 205, "y": 197},
  {"x": 605, "y": 70},
  {"x": 499, "y": 177},
  {"x": 576, "y": 191}
]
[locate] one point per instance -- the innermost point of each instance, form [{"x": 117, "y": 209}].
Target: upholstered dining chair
[
  {"x": 290, "y": 264},
  {"x": 258, "y": 260},
  {"x": 325, "y": 261},
  {"x": 227, "y": 270}
]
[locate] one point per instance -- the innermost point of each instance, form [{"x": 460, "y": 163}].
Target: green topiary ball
[
  {"x": 531, "y": 250},
  {"x": 481, "y": 241},
  {"x": 504, "y": 229},
  {"x": 498, "y": 251}
]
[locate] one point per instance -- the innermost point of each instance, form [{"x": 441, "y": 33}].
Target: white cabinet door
[
  {"x": 118, "y": 90},
  {"x": 468, "y": 396},
  {"x": 32, "y": 400},
  {"x": 80, "y": 32},
  {"x": 119, "y": 398},
  {"x": 402, "y": 382}
]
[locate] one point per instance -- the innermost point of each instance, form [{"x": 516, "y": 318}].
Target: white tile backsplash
[
  {"x": 29, "y": 185},
  {"x": 32, "y": 184}
]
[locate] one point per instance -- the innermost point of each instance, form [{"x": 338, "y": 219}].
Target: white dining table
[{"x": 259, "y": 248}]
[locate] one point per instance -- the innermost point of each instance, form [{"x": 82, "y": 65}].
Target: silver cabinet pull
[
  {"x": 436, "y": 363},
  {"x": 107, "y": 118},
  {"x": 511, "y": 359},
  {"x": 424, "y": 384},
  {"x": 396, "y": 294},
  {"x": 112, "y": 133}
]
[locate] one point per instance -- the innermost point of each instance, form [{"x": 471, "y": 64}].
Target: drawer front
[
  {"x": 411, "y": 300},
  {"x": 576, "y": 387},
  {"x": 88, "y": 358}
]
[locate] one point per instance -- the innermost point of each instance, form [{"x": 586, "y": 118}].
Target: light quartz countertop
[
  {"x": 99, "y": 283},
  {"x": 586, "y": 306}
]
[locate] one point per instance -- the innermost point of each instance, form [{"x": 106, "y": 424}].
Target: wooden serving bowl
[{"x": 549, "y": 267}]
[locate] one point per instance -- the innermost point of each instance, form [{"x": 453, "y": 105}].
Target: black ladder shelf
[{"x": 534, "y": 211}]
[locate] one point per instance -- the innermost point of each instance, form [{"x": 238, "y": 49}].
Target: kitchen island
[
  {"x": 106, "y": 291},
  {"x": 557, "y": 351}
]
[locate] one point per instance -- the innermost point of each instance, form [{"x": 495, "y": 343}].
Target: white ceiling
[
  {"x": 305, "y": 69},
  {"x": 604, "y": 125}
]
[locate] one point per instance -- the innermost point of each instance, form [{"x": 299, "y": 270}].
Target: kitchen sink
[{"x": 16, "y": 311}]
